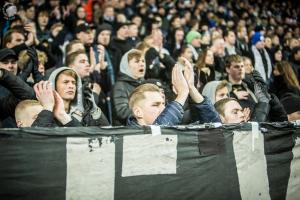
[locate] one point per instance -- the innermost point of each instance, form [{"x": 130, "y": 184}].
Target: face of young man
[
  {"x": 17, "y": 39},
  {"x": 104, "y": 37},
  {"x": 29, "y": 116},
  {"x": 43, "y": 19},
  {"x": 149, "y": 108},
  {"x": 233, "y": 113},
  {"x": 236, "y": 71},
  {"x": 221, "y": 94},
  {"x": 123, "y": 32},
  {"x": 133, "y": 30},
  {"x": 85, "y": 37},
  {"x": 137, "y": 67},
  {"x": 10, "y": 64},
  {"x": 66, "y": 87},
  {"x": 81, "y": 65}
]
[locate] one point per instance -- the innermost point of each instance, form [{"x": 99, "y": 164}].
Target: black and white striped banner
[{"x": 233, "y": 162}]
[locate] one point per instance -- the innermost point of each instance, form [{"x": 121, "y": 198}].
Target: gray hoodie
[
  {"x": 124, "y": 65},
  {"x": 76, "y": 107},
  {"x": 209, "y": 90}
]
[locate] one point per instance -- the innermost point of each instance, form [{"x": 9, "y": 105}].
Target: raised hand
[
  {"x": 180, "y": 84},
  {"x": 59, "y": 109},
  {"x": 44, "y": 94},
  {"x": 189, "y": 77},
  {"x": 188, "y": 71}
]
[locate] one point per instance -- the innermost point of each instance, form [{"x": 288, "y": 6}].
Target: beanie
[
  {"x": 257, "y": 37},
  {"x": 192, "y": 35}
]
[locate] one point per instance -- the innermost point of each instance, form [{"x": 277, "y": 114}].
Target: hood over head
[
  {"x": 124, "y": 65},
  {"x": 76, "y": 107},
  {"x": 209, "y": 90}
]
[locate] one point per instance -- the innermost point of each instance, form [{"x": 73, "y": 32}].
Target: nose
[
  {"x": 161, "y": 108},
  {"x": 241, "y": 115},
  {"x": 71, "y": 85}
]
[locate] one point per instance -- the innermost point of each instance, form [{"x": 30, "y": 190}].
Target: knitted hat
[
  {"x": 104, "y": 27},
  {"x": 120, "y": 25},
  {"x": 257, "y": 37},
  {"x": 192, "y": 35}
]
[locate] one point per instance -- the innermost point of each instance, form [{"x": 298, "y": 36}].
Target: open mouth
[{"x": 141, "y": 70}]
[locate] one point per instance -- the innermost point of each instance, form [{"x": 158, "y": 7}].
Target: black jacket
[
  {"x": 118, "y": 48},
  {"x": 46, "y": 119},
  {"x": 280, "y": 88},
  {"x": 154, "y": 71},
  {"x": 18, "y": 89},
  {"x": 121, "y": 91}
]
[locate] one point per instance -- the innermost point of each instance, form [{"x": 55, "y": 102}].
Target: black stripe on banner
[
  {"x": 278, "y": 150},
  {"x": 32, "y": 166}
]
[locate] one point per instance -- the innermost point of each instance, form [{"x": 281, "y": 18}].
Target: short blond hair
[
  {"x": 138, "y": 94},
  {"x": 22, "y": 106},
  {"x": 134, "y": 53}
]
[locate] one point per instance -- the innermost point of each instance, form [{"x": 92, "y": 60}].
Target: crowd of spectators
[{"x": 163, "y": 62}]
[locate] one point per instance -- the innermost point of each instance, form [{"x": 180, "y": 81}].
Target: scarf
[{"x": 259, "y": 65}]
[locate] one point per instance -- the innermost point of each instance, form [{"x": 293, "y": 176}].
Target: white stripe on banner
[
  {"x": 293, "y": 190},
  {"x": 88, "y": 174},
  {"x": 251, "y": 165},
  {"x": 148, "y": 155}
]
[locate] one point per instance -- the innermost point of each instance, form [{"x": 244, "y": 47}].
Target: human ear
[
  {"x": 227, "y": 69},
  {"x": 222, "y": 119},
  {"x": 137, "y": 112},
  {"x": 19, "y": 123}
]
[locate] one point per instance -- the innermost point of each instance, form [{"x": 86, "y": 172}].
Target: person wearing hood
[
  {"x": 47, "y": 111},
  {"x": 79, "y": 103},
  {"x": 60, "y": 103},
  {"x": 132, "y": 72},
  {"x": 216, "y": 90}
]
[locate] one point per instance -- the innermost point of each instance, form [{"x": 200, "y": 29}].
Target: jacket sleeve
[
  {"x": 205, "y": 112},
  {"x": 120, "y": 101},
  {"x": 260, "y": 112},
  {"x": 7, "y": 106},
  {"x": 44, "y": 119},
  {"x": 73, "y": 123},
  {"x": 171, "y": 115},
  {"x": 17, "y": 86},
  {"x": 101, "y": 121},
  {"x": 277, "y": 112}
]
